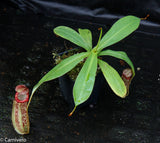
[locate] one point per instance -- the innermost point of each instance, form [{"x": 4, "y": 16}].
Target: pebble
[{"x": 138, "y": 68}]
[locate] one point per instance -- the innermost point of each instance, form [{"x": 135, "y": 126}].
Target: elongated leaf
[
  {"x": 120, "y": 55},
  {"x": 87, "y": 36},
  {"x": 62, "y": 68},
  {"x": 121, "y": 29},
  {"x": 85, "y": 81},
  {"x": 71, "y": 35},
  {"x": 113, "y": 78}
]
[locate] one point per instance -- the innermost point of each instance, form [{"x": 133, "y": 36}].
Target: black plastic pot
[
  {"x": 66, "y": 86},
  {"x": 66, "y": 83}
]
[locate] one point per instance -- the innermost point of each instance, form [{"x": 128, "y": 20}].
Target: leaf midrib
[{"x": 90, "y": 66}]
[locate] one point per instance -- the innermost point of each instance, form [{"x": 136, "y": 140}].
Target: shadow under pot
[{"x": 66, "y": 86}]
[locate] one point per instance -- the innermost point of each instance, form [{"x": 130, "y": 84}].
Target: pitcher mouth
[
  {"x": 127, "y": 74},
  {"x": 22, "y": 94},
  {"x": 21, "y": 98}
]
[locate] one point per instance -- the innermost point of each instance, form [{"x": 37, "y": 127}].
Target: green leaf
[
  {"x": 121, "y": 29},
  {"x": 71, "y": 35},
  {"x": 120, "y": 55},
  {"x": 87, "y": 36},
  {"x": 113, "y": 78},
  {"x": 85, "y": 80},
  {"x": 62, "y": 68}
]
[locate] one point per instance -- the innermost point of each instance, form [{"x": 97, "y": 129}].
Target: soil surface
[{"x": 26, "y": 46}]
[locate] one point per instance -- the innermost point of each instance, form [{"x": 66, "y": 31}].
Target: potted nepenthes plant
[{"x": 85, "y": 80}]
